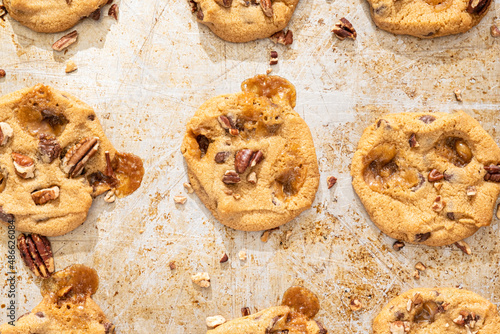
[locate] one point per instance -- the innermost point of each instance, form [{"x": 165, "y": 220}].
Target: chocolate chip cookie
[
  {"x": 250, "y": 157},
  {"x": 429, "y": 178},
  {"x": 54, "y": 159},
  {"x": 428, "y": 18},
  {"x": 51, "y": 15},
  {"x": 244, "y": 20},
  {"x": 295, "y": 316},
  {"x": 440, "y": 310},
  {"x": 67, "y": 306}
]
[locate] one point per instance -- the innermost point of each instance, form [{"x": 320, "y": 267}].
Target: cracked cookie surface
[
  {"x": 440, "y": 310},
  {"x": 244, "y": 20},
  {"x": 250, "y": 157},
  {"x": 428, "y": 18},
  {"x": 51, "y": 15},
  {"x": 54, "y": 159},
  {"x": 67, "y": 306},
  {"x": 427, "y": 177}
]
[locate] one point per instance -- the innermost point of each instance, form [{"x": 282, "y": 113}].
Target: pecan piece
[
  {"x": 2, "y": 71},
  {"x": 42, "y": 196},
  {"x": 435, "y": 175},
  {"x": 224, "y": 258},
  {"x": 330, "y": 181},
  {"x": 49, "y": 148},
  {"x": 413, "y": 141},
  {"x": 256, "y": 158},
  {"x": 37, "y": 254},
  {"x": 478, "y": 6},
  {"x": 228, "y": 124},
  {"x": 344, "y": 29},
  {"x": 282, "y": 38},
  {"x": 96, "y": 14},
  {"x": 245, "y": 311},
  {"x": 5, "y": 133},
  {"x": 267, "y": 7},
  {"x": 65, "y": 41},
  {"x": 398, "y": 245},
  {"x": 494, "y": 31},
  {"x": 76, "y": 158},
  {"x": 113, "y": 11},
  {"x": 224, "y": 3},
  {"x": 221, "y": 157},
  {"x": 421, "y": 237},
  {"x": 231, "y": 177},
  {"x": 243, "y": 160},
  {"x": 464, "y": 247},
  {"x": 24, "y": 165}
]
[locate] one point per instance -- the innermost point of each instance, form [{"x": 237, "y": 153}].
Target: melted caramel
[
  {"x": 259, "y": 117},
  {"x": 301, "y": 300},
  {"x": 129, "y": 171},
  {"x": 75, "y": 283},
  {"x": 455, "y": 150},
  {"x": 39, "y": 114},
  {"x": 277, "y": 89}
]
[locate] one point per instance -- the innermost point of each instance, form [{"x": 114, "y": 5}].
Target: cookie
[
  {"x": 436, "y": 311},
  {"x": 426, "y": 177},
  {"x": 295, "y": 316},
  {"x": 244, "y": 20},
  {"x": 54, "y": 159},
  {"x": 67, "y": 306},
  {"x": 250, "y": 157},
  {"x": 428, "y": 18},
  {"x": 51, "y": 15}
]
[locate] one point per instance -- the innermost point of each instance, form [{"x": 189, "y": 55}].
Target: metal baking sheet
[{"x": 146, "y": 74}]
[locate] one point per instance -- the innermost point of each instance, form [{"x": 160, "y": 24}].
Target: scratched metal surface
[{"x": 146, "y": 74}]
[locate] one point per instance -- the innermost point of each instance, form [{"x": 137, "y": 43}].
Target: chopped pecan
[
  {"x": 42, "y": 196},
  {"x": 421, "y": 237},
  {"x": 252, "y": 178},
  {"x": 65, "y": 41},
  {"x": 355, "y": 304},
  {"x": 478, "y": 6},
  {"x": 413, "y": 141},
  {"x": 256, "y": 158},
  {"x": 245, "y": 311},
  {"x": 231, "y": 177},
  {"x": 5, "y": 133},
  {"x": 96, "y": 14},
  {"x": 427, "y": 119},
  {"x": 228, "y": 124},
  {"x": 37, "y": 254},
  {"x": 435, "y": 175},
  {"x": 494, "y": 31},
  {"x": 398, "y": 245},
  {"x": 464, "y": 247},
  {"x": 224, "y": 258},
  {"x": 438, "y": 204},
  {"x": 267, "y": 7},
  {"x": 243, "y": 160},
  {"x": 75, "y": 159},
  {"x": 49, "y": 148},
  {"x": 330, "y": 181},
  {"x": 221, "y": 157},
  {"x": 458, "y": 95},
  {"x": 24, "y": 165},
  {"x": 224, "y": 3},
  {"x": 344, "y": 29},
  {"x": 113, "y": 11},
  {"x": 282, "y": 38}
]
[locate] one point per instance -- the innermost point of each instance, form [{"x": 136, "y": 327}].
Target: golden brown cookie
[
  {"x": 250, "y": 156},
  {"x": 51, "y": 15},
  {"x": 54, "y": 158},
  {"x": 67, "y": 306},
  {"x": 244, "y": 20},
  {"x": 436, "y": 311},
  {"x": 426, "y": 177},
  {"x": 428, "y": 18}
]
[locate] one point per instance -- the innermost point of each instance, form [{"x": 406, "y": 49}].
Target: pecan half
[
  {"x": 42, "y": 196},
  {"x": 435, "y": 175},
  {"x": 76, "y": 158},
  {"x": 5, "y": 133},
  {"x": 65, "y": 41},
  {"x": 267, "y": 7},
  {"x": 494, "y": 31},
  {"x": 24, "y": 165},
  {"x": 49, "y": 148},
  {"x": 478, "y": 6},
  {"x": 343, "y": 29},
  {"x": 224, "y": 3},
  {"x": 242, "y": 160},
  {"x": 464, "y": 247},
  {"x": 37, "y": 254},
  {"x": 231, "y": 177}
]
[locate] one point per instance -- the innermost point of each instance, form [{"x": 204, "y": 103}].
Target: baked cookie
[
  {"x": 54, "y": 158},
  {"x": 295, "y": 316},
  {"x": 440, "y": 310},
  {"x": 428, "y": 18},
  {"x": 244, "y": 20},
  {"x": 51, "y": 15},
  {"x": 67, "y": 306},
  {"x": 426, "y": 177},
  {"x": 250, "y": 156}
]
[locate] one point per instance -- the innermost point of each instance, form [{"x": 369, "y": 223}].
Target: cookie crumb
[
  {"x": 71, "y": 66},
  {"x": 180, "y": 200},
  {"x": 420, "y": 266},
  {"x": 242, "y": 255},
  {"x": 495, "y": 31},
  {"x": 2, "y": 73},
  {"x": 188, "y": 187},
  {"x": 398, "y": 245},
  {"x": 215, "y": 321},
  {"x": 464, "y": 247},
  {"x": 355, "y": 304},
  {"x": 141, "y": 231},
  {"x": 458, "y": 94},
  {"x": 224, "y": 258},
  {"x": 268, "y": 71},
  {"x": 201, "y": 279},
  {"x": 172, "y": 265},
  {"x": 330, "y": 181}
]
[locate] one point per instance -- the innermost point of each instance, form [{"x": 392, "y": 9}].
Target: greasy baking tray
[{"x": 146, "y": 74}]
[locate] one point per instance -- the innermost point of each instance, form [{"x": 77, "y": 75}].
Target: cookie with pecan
[
  {"x": 440, "y": 310},
  {"x": 244, "y": 20},
  {"x": 428, "y": 18},
  {"x": 54, "y": 159},
  {"x": 427, "y": 178},
  {"x": 67, "y": 306},
  {"x": 250, "y": 157}
]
